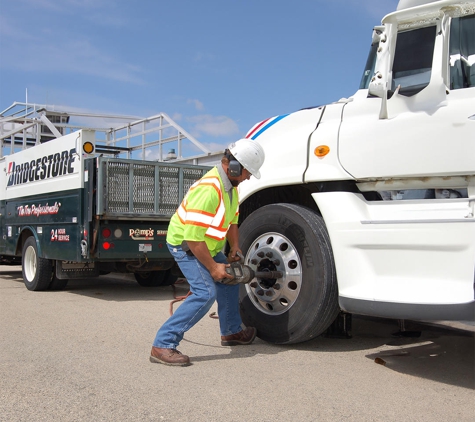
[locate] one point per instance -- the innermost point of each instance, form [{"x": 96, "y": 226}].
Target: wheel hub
[
  {"x": 30, "y": 264},
  {"x": 274, "y": 252}
]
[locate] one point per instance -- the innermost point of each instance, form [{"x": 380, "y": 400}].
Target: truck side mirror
[{"x": 378, "y": 83}]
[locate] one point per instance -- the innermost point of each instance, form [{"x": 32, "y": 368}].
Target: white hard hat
[{"x": 250, "y": 154}]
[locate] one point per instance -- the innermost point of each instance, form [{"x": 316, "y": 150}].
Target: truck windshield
[{"x": 369, "y": 68}]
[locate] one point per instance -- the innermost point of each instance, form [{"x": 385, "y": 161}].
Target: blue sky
[{"x": 216, "y": 67}]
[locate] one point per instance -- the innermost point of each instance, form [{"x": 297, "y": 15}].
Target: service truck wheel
[
  {"x": 58, "y": 283},
  {"x": 304, "y": 302},
  {"x": 37, "y": 272},
  {"x": 155, "y": 278}
]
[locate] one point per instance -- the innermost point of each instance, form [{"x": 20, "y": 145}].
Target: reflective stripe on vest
[{"x": 215, "y": 221}]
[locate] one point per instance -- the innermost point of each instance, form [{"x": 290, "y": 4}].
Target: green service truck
[{"x": 68, "y": 212}]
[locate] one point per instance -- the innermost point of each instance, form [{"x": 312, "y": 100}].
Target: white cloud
[
  {"x": 88, "y": 8},
  {"x": 196, "y": 103},
  {"x": 48, "y": 48},
  {"x": 215, "y": 146},
  {"x": 9, "y": 29},
  {"x": 72, "y": 56},
  {"x": 215, "y": 126},
  {"x": 177, "y": 117}
]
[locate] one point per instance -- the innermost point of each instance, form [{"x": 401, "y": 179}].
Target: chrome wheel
[
  {"x": 302, "y": 303},
  {"x": 274, "y": 252}
]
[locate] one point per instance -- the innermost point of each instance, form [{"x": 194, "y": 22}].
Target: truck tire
[
  {"x": 155, "y": 278},
  {"x": 304, "y": 302},
  {"x": 37, "y": 272},
  {"x": 58, "y": 283}
]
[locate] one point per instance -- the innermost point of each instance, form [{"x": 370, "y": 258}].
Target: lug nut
[
  {"x": 260, "y": 254},
  {"x": 254, "y": 261},
  {"x": 253, "y": 284},
  {"x": 269, "y": 254},
  {"x": 276, "y": 262}
]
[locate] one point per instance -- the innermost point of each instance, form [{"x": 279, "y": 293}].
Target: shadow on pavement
[
  {"x": 111, "y": 287},
  {"x": 13, "y": 274},
  {"x": 440, "y": 354},
  {"x": 444, "y": 355}
]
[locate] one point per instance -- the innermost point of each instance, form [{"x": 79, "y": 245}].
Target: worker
[{"x": 197, "y": 234}]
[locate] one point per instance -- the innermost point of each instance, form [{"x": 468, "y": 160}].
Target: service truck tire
[
  {"x": 304, "y": 302},
  {"x": 37, "y": 272},
  {"x": 58, "y": 283},
  {"x": 155, "y": 278}
]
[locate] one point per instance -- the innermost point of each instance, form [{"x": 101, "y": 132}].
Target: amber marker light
[
  {"x": 88, "y": 147},
  {"x": 322, "y": 150}
]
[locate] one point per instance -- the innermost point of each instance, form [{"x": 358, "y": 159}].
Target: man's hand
[
  {"x": 219, "y": 272},
  {"x": 235, "y": 254},
  {"x": 201, "y": 252}
]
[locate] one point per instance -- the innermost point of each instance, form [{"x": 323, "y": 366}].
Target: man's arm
[
  {"x": 201, "y": 252},
  {"x": 233, "y": 240}
]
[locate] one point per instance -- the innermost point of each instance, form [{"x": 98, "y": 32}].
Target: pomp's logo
[
  {"x": 46, "y": 167},
  {"x": 141, "y": 234},
  {"x": 145, "y": 234}
]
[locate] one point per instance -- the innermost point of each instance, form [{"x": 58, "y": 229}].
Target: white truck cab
[{"x": 367, "y": 204}]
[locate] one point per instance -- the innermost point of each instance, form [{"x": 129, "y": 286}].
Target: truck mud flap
[{"x": 70, "y": 270}]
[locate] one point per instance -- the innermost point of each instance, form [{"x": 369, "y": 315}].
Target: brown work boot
[
  {"x": 245, "y": 336},
  {"x": 169, "y": 357}
]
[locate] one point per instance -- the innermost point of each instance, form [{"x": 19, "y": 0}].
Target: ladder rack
[{"x": 155, "y": 138}]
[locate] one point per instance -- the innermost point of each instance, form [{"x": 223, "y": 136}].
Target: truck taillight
[
  {"x": 106, "y": 233},
  {"x": 107, "y": 245}
]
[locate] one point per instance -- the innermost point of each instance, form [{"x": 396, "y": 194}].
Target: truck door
[
  {"x": 420, "y": 250},
  {"x": 428, "y": 127}
]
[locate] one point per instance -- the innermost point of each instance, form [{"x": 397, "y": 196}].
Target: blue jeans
[{"x": 194, "y": 307}]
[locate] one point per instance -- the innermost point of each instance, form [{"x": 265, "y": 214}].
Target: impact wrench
[{"x": 243, "y": 274}]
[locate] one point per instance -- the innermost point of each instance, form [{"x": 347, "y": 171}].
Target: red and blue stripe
[{"x": 261, "y": 127}]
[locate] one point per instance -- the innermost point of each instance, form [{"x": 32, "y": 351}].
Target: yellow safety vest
[{"x": 205, "y": 214}]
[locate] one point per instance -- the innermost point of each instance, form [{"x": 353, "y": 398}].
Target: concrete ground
[{"x": 82, "y": 354}]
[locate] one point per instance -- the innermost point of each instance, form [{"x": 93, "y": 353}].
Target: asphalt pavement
[{"x": 82, "y": 354}]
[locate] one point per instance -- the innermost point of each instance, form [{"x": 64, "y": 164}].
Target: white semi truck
[{"x": 367, "y": 205}]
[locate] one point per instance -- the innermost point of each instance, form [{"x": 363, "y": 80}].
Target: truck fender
[{"x": 26, "y": 232}]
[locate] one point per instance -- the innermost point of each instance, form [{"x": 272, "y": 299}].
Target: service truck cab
[{"x": 367, "y": 204}]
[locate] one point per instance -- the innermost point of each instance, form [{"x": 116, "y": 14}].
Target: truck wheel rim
[
  {"x": 274, "y": 252},
  {"x": 30, "y": 263}
]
